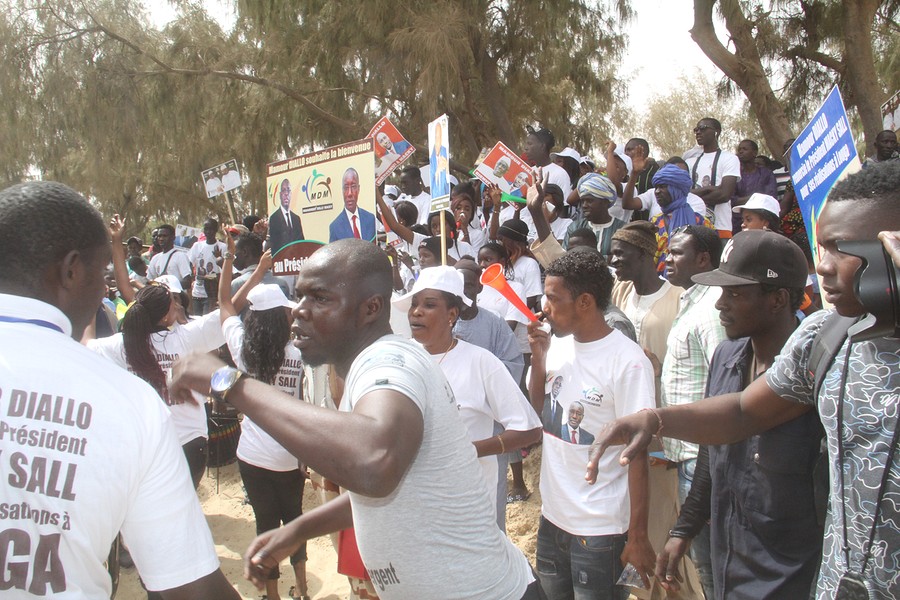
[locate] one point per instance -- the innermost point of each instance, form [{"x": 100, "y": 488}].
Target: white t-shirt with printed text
[{"x": 728, "y": 165}]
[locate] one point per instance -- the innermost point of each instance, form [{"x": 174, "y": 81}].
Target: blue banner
[{"x": 819, "y": 157}]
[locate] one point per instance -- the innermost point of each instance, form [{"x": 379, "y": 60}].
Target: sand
[{"x": 232, "y": 526}]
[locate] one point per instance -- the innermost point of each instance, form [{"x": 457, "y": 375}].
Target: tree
[
  {"x": 670, "y": 136},
  {"x": 806, "y": 45},
  {"x": 130, "y": 114}
]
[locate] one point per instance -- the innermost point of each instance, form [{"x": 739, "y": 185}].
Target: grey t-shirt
[
  {"x": 492, "y": 333},
  {"x": 435, "y": 535},
  {"x": 871, "y": 402}
]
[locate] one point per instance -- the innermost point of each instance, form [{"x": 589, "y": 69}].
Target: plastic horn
[{"x": 493, "y": 276}]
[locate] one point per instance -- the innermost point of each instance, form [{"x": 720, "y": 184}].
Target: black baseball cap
[{"x": 758, "y": 256}]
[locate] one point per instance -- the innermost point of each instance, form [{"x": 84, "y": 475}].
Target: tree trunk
[
  {"x": 859, "y": 17},
  {"x": 744, "y": 67},
  {"x": 494, "y": 100}
]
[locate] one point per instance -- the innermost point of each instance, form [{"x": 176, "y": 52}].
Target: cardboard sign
[
  {"x": 890, "y": 113},
  {"x": 221, "y": 178},
  {"x": 439, "y": 161},
  {"x": 823, "y": 153},
  {"x": 311, "y": 196},
  {"x": 391, "y": 149},
  {"x": 504, "y": 168}
]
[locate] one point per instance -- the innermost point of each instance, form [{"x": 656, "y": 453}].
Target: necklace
[{"x": 452, "y": 344}]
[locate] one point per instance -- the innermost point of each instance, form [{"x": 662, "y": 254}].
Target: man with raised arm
[{"x": 424, "y": 521}]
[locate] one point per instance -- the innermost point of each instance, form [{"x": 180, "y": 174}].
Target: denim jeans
[
  {"x": 573, "y": 567},
  {"x": 200, "y": 306},
  {"x": 700, "y": 545}
]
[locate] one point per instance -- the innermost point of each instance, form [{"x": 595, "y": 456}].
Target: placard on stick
[
  {"x": 313, "y": 198},
  {"x": 439, "y": 161},
  {"x": 504, "y": 168},
  {"x": 391, "y": 149}
]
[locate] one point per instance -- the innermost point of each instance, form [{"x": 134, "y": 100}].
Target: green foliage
[{"x": 96, "y": 97}]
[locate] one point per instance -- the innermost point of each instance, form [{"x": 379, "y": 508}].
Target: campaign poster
[
  {"x": 823, "y": 153},
  {"x": 318, "y": 198},
  {"x": 221, "y": 178},
  {"x": 504, "y": 168},
  {"x": 890, "y": 113},
  {"x": 391, "y": 149},
  {"x": 439, "y": 161},
  {"x": 186, "y": 236}
]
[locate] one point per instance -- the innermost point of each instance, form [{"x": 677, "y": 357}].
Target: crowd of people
[{"x": 670, "y": 306}]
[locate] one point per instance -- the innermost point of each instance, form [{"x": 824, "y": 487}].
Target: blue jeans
[
  {"x": 573, "y": 567},
  {"x": 200, "y": 306},
  {"x": 700, "y": 545}
]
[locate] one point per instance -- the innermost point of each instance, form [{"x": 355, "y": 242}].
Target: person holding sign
[
  {"x": 353, "y": 222},
  {"x": 284, "y": 224}
]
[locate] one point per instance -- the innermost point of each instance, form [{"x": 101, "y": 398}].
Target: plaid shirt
[{"x": 692, "y": 340}]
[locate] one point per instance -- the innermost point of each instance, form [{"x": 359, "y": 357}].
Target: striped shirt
[{"x": 694, "y": 336}]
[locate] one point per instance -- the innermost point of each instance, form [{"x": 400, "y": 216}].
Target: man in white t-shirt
[
  {"x": 591, "y": 373},
  {"x": 538, "y": 144},
  {"x": 715, "y": 173},
  {"x": 170, "y": 260},
  {"x": 204, "y": 258},
  {"x": 86, "y": 449},
  {"x": 421, "y": 510},
  {"x": 413, "y": 191}
]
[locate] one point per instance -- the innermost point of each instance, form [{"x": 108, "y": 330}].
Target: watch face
[{"x": 223, "y": 379}]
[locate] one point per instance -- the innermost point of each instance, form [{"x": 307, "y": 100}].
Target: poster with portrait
[
  {"x": 391, "y": 149},
  {"x": 186, "y": 236},
  {"x": 318, "y": 198},
  {"x": 890, "y": 113},
  {"x": 439, "y": 162},
  {"x": 503, "y": 167},
  {"x": 221, "y": 178}
]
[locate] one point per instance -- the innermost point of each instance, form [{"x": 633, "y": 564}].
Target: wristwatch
[
  {"x": 222, "y": 381},
  {"x": 229, "y": 255}
]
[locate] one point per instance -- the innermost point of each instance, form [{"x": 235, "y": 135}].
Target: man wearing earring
[{"x": 715, "y": 173}]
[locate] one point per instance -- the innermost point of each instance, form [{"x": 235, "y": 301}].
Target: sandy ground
[{"x": 232, "y": 526}]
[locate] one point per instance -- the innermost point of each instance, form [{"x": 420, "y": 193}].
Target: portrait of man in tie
[
  {"x": 553, "y": 411},
  {"x": 572, "y": 431},
  {"x": 284, "y": 224},
  {"x": 353, "y": 221}
]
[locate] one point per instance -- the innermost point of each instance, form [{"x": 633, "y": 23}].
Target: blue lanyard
[{"x": 38, "y": 322}]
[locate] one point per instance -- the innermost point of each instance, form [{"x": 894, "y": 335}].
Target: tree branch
[
  {"x": 166, "y": 68},
  {"x": 829, "y": 62}
]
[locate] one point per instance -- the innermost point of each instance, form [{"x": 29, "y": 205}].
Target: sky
[{"x": 660, "y": 48}]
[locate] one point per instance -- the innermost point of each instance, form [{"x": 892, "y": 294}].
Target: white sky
[{"x": 660, "y": 48}]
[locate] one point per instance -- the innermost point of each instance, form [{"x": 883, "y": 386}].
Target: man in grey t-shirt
[{"x": 420, "y": 505}]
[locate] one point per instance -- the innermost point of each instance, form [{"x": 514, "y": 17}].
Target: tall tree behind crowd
[
  {"x": 96, "y": 97},
  {"x": 785, "y": 55}
]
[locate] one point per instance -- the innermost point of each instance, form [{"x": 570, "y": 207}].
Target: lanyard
[
  {"x": 712, "y": 173},
  {"x": 867, "y": 550},
  {"x": 38, "y": 322}
]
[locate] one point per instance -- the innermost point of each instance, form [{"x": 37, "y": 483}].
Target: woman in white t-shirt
[
  {"x": 150, "y": 342},
  {"x": 261, "y": 346},
  {"x": 484, "y": 390},
  {"x": 463, "y": 205}
]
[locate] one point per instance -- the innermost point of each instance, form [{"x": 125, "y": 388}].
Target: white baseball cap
[
  {"x": 625, "y": 159},
  {"x": 446, "y": 279},
  {"x": 171, "y": 282},
  {"x": 266, "y": 296},
  {"x": 760, "y": 202},
  {"x": 570, "y": 152}
]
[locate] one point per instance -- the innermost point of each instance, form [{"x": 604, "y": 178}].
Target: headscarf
[
  {"x": 679, "y": 183},
  {"x": 597, "y": 186}
]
